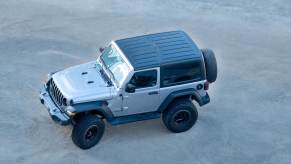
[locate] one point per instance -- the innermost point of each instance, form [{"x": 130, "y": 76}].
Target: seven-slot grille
[{"x": 56, "y": 94}]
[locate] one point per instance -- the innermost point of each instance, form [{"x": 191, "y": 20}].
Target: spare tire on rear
[{"x": 210, "y": 64}]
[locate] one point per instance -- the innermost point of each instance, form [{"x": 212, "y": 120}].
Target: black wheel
[
  {"x": 88, "y": 131},
  {"x": 210, "y": 65},
  {"x": 180, "y": 116}
]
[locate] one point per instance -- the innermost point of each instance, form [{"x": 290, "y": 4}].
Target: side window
[
  {"x": 144, "y": 79},
  {"x": 181, "y": 73}
]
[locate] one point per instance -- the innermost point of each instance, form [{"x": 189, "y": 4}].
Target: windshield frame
[{"x": 109, "y": 72}]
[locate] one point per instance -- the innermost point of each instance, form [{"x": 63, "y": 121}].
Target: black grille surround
[{"x": 56, "y": 94}]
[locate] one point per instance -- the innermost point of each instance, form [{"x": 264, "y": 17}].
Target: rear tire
[
  {"x": 180, "y": 116},
  {"x": 210, "y": 65},
  {"x": 88, "y": 131}
]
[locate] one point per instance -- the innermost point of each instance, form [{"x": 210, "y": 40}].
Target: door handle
[{"x": 153, "y": 93}]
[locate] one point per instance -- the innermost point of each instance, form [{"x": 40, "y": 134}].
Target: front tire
[
  {"x": 180, "y": 116},
  {"x": 88, "y": 131}
]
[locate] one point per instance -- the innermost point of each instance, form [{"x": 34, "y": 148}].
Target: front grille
[{"x": 56, "y": 94}]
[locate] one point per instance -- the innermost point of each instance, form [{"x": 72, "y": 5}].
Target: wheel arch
[
  {"x": 99, "y": 108},
  {"x": 181, "y": 94}
]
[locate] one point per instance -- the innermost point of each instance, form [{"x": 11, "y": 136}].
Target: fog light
[{"x": 71, "y": 113}]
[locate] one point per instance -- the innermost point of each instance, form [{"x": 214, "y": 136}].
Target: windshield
[{"x": 115, "y": 64}]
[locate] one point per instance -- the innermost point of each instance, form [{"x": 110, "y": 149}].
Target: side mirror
[
  {"x": 130, "y": 88},
  {"x": 101, "y": 49}
]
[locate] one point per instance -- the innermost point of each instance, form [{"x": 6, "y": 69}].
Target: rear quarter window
[{"x": 181, "y": 73}]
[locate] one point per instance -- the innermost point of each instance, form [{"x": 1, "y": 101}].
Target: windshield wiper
[
  {"x": 110, "y": 74},
  {"x": 106, "y": 78},
  {"x": 104, "y": 75}
]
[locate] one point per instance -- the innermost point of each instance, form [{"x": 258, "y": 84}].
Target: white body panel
[{"x": 74, "y": 83}]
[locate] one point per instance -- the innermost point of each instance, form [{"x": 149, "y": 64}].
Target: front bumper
[{"x": 55, "y": 112}]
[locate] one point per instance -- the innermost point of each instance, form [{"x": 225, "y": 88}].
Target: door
[{"x": 146, "y": 95}]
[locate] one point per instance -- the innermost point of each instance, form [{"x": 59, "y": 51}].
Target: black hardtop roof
[{"x": 155, "y": 50}]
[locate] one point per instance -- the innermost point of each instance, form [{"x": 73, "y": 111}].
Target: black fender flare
[
  {"x": 186, "y": 93},
  {"x": 94, "y": 106}
]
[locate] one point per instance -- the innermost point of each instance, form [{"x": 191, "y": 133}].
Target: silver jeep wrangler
[{"x": 133, "y": 79}]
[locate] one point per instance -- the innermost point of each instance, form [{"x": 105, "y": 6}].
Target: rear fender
[{"x": 185, "y": 93}]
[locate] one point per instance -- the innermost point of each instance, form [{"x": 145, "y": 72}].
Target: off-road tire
[
  {"x": 88, "y": 131},
  {"x": 210, "y": 65},
  {"x": 180, "y": 116}
]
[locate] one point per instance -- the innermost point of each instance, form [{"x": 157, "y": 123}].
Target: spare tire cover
[{"x": 210, "y": 65}]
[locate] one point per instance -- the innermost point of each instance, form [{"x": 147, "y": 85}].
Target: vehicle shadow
[{"x": 135, "y": 131}]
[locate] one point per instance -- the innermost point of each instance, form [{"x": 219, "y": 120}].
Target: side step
[{"x": 134, "y": 118}]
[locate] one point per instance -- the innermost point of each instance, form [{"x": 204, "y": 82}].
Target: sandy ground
[{"x": 248, "y": 119}]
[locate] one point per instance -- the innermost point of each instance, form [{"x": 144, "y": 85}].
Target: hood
[{"x": 82, "y": 83}]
